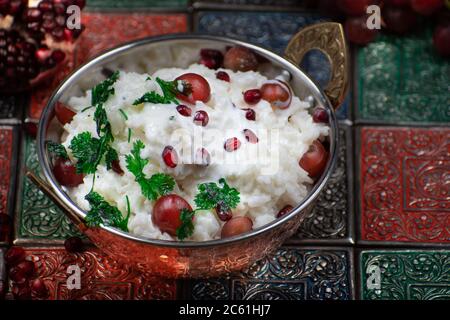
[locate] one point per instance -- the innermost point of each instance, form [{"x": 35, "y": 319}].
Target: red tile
[
  {"x": 6, "y": 146},
  {"x": 102, "y": 278},
  {"x": 405, "y": 184},
  {"x": 104, "y": 31}
]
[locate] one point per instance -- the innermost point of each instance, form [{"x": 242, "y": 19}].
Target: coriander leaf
[
  {"x": 85, "y": 149},
  {"x": 169, "y": 89},
  {"x": 110, "y": 156},
  {"x": 124, "y": 114},
  {"x": 186, "y": 229},
  {"x": 157, "y": 185},
  {"x": 210, "y": 195},
  {"x": 57, "y": 149},
  {"x": 102, "y": 212},
  {"x": 101, "y": 92}
]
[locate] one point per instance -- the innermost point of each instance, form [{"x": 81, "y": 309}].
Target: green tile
[
  {"x": 124, "y": 4},
  {"x": 38, "y": 217},
  {"x": 402, "y": 79},
  {"x": 405, "y": 275}
]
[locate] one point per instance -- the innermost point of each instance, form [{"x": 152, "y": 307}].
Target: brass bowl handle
[
  {"x": 328, "y": 37},
  {"x": 45, "y": 188}
]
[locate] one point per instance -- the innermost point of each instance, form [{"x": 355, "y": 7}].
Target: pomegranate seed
[
  {"x": 184, "y": 110},
  {"x": 73, "y": 244},
  {"x": 21, "y": 292},
  {"x": 58, "y": 56},
  {"x": 222, "y": 75},
  {"x": 33, "y": 15},
  {"x": 232, "y": 144},
  {"x": 320, "y": 115},
  {"x": 170, "y": 157},
  {"x": 250, "y": 136},
  {"x": 39, "y": 288},
  {"x": 284, "y": 211},
  {"x": 42, "y": 54},
  {"x": 201, "y": 118},
  {"x": 252, "y": 96},
  {"x": 202, "y": 157},
  {"x": 14, "y": 255},
  {"x": 223, "y": 214},
  {"x": 45, "y": 6},
  {"x": 115, "y": 166},
  {"x": 4, "y": 227},
  {"x": 250, "y": 114},
  {"x": 68, "y": 35}
]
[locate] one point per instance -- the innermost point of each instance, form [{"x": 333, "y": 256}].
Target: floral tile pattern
[
  {"x": 404, "y": 174},
  {"x": 38, "y": 219},
  {"x": 102, "y": 278},
  {"x": 291, "y": 274},
  {"x": 405, "y": 275},
  {"x": 136, "y": 4},
  {"x": 401, "y": 79}
]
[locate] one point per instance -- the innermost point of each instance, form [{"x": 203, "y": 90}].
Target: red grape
[
  {"x": 355, "y": 7},
  {"x": 426, "y": 7},
  {"x": 240, "y": 59},
  {"x": 357, "y": 32},
  {"x": 315, "y": 159},
  {"x": 399, "y": 20},
  {"x": 166, "y": 213},
  {"x": 197, "y": 87},
  {"x": 236, "y": 226},
  {"x": 441, "y": 39},
  {"x": 65, "y": 173}
]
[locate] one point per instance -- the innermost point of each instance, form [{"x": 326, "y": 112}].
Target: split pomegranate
[
  {"x": 236, "y": 226},
  {"x": 315, "y": 159},
  {"x": 66, "y": 173},
  {"x": 196, "y": 88},
  {"x": 240, "y": 59},
  {"x": 166, "y": 213},
  {"x": 170, "y": 156},
  {"x": 277, "y": 93}
]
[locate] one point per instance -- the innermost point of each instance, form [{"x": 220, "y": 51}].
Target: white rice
[{"x": 264, "y": 189}]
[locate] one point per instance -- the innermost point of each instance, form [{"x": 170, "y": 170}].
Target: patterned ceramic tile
[
  {"x": 38, "y": 219},
  {"x": 8, "y": 160},
  {"x": 401, "y": 79},
  {"x": 11, "y": 107},
  {"x": 272, "y": 30},
  {"x": 126, "y": 4},
  {"x": 292, "y": 274},
  {"x": 332, "y": 217},
  {"x": 102, "y": 278},
  {"x": 404, "y": 175},
  {"x": 405, "y": 275},
  {"x": 104, "y": 31}
]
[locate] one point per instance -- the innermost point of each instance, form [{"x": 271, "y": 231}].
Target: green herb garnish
[
  {"x": 57, "y": 149},
  {"x": 125, "y": 116},
  {"x": 90, "y": 151},
  {"x": 169, "y": 89},
  {"x": 157, "y": 185},
  {"x": 129, "y": 135},
  {"x": 102, "y": 91},
  {"x": 209, "y": 196},
  {"x": 102, "y": 212}
]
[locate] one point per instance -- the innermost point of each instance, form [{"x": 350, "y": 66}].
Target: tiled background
[{"x": 381, "y": 229}]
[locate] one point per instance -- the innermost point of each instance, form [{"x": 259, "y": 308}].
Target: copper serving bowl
[{"x": 177, "y": 259}]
